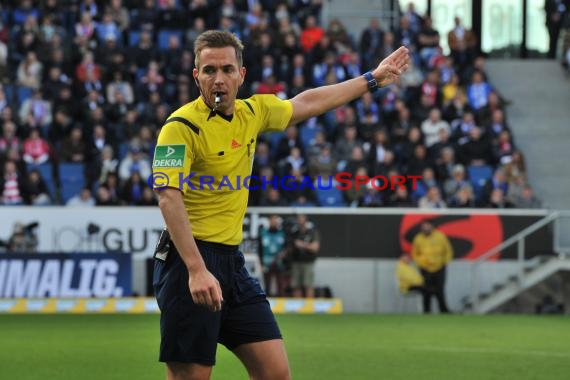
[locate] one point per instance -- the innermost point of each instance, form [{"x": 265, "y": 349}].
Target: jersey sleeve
[
  {"x": 275, "y": 113},
  {"x": 173, "y": 156}
]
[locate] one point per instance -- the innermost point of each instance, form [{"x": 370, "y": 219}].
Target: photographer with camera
[
  {"x": 306, "y": 245},
  {"x": 23, "y": 239}
]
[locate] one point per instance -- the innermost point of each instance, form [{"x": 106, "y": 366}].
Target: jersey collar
[{"x": 203, "y": 106}]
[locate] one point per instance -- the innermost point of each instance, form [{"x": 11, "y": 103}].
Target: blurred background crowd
[{"x": 86, "y": 85}]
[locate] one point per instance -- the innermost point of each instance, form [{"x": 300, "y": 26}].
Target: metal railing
[{"x": 559, "y": 246}]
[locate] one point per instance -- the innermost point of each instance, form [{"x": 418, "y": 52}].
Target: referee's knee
[{"x": 278, "y": 372}]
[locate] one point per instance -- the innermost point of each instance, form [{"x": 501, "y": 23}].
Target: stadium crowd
[{"x": 86, "y": 86}]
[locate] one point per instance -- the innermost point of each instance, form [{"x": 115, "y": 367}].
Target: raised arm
[{"x": 319, "y": 100}]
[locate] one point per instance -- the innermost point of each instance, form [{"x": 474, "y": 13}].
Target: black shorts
[{"x": 190, "y": 333}]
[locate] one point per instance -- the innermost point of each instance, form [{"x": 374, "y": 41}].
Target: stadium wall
[{"x": 359, "y": 246}]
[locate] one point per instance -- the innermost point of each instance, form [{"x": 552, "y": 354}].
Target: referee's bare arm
[
  {"x": 204, "y": 287},
  {"x": 319, "y": 100}
]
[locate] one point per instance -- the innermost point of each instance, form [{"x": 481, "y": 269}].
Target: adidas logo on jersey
[{"x": 235, "y": 144}]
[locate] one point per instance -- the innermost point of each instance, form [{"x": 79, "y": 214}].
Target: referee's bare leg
[
  {"x": 187, "y": 371},
  {"x": 265, "y": 360}
]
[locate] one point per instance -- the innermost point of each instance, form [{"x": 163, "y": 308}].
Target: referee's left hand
[{"x": 389, "y": 70}]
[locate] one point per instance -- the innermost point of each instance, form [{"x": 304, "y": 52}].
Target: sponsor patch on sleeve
[{"x": 169, "y": 156}]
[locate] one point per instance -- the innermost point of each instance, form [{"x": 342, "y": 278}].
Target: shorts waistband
[{"x": 223, "y": 249}]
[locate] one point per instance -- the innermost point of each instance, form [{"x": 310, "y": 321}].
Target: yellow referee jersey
[{"x": 209, "y": 156}]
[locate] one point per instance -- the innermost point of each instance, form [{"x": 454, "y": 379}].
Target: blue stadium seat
[
  {"x": 24, "y": 93},
  {"x": 308, "y": 134},
  {"x": 479, "y": 175},
  {"x": 123, "y": 150},
  {"x": 134, "y": 36},
  {"x": 273, "y": 139},
  {"x": 329, "y": 197},
  {"x": 165, "y": 34},
  {"x": 10, "y": 93},
  {"x": 72, "y": 179},
  {"x": 46, "y": 172}
]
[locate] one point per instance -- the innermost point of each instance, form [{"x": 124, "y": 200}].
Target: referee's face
[{"x": 220, "y": 74}]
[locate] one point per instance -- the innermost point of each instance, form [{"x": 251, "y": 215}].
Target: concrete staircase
[
  {"x": 542, "y": 276},
  {"x": 540, "y": 119}
]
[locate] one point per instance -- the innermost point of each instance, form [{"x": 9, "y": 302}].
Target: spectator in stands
[
  {"x": 372, "y": 197},
  {"x": 306, "y": 246},
  {"x": 401, "y": 125},
  {"x": 345, "y": 144},
  {"x": 378, "y": 151},
  {"x": 134, "y": 162},
  {"x": 428, "y": 42},
  {"x": 272, "y": 244},
  {"x": 12, "y": 185},
  {"x": 354, "y": 193},
  {"x": 432, "y": 252},
  {"x": 438, "y": 147},
  {"x": 503, "y": 148},
  {"x": 497, "y": 125},
  {"x": 527, "y": 199},
  {"x": 112, "y": 185},
  {"x": 324, "y": 164},
  {"x": 36, "y": 150},
  {"x": 371, "y": 41},
  {"x": 107, "y": 28},
  {"x": 30, "y": 71},
  {"x": 103, "y": 197},
  {"x": 463, "y": 198},
  {"x": 148, "y": 198},
  {"x": 478, "y": 91},
  {"x": 9, "y": 139},
  {"x": 493, "y": 112},
  {"x": 515, "y": 167},
  {"x": 456, "y": 183},
  {"x": 432, "y": 200},
  {"x": 83, "y": 199},
  {"x": 445, "y": 164},
  {"x": 432, "y": 126},
  {"x": 311, "y": 35},
  {"x": 288, "y": 142},
  {"x": 273, "y": 198},
  {"x": 400, "y": 198},
  {"x": 476, "y": 151},
  {"x": 555, "y": 12},
  {"x": 73, "y": 148},
  {"x": 426, "y": 181},
  {"x": 119, "y": 85},
  {"x": 85, "y": 32},
  {"x": 498, "y": 181},
  {"x": 368, "y": 114},
  {"x": 497, "y": 199},
  {"x": 133, "y": 188},
  {"x": 419, "y": 161},
  {"x": 36, "y": 112},
  {"x": 462, "y": 42},
  {"x": 119, "y": 14}
]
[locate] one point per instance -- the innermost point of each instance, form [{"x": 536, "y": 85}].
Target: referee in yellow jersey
[{"x": 204, "y": 152}]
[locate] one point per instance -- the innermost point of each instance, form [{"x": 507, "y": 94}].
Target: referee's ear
[{"x": 242, "y": 72}]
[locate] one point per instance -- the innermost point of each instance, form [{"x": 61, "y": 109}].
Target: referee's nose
[{"x": 219, "y": 80}]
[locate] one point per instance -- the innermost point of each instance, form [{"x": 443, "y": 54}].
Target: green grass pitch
[{"x": 319, "y": 347}]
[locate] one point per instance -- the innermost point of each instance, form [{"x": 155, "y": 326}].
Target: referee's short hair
[{"x": 217, "y": 39}]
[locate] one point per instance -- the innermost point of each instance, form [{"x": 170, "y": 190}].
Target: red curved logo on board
[{"x": 470, "y": 235}]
